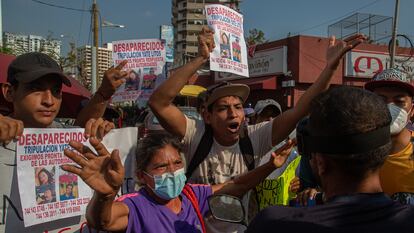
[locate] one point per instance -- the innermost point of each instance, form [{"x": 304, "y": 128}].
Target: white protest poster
[
  {"x": 47, "y": 192},
  {"x": 146, "y": 60},
  {"x": 230, "y": 53},
  {"x": 125, "y": 140}
]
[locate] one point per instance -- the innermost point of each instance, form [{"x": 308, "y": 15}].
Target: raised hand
[
  {"x": 338, "y": 48},
  {"x": 305, "y": 195},
  {"x": 112, "y": 79},
  {"x": 98, "y": 128},
  {"x": 104, "y": 172},
  {"x": 205, "y": 42},
  {"x": 9, "y": 129},
  {"x": 280, "y": 156},
  {"x": 294, "y": 185}
]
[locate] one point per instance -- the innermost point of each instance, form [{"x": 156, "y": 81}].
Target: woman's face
[
  {"x": 132, "y": 76},
  {"x": 166, "y": 159},
  {"x": 43, "y": 178}
]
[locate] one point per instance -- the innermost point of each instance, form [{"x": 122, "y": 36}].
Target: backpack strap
[
  {"x": 246, "y": 149},
  {"x": 189, "y": 193},
  {"x": 203, "y": 148},
  {"x": 206, "y": 142}
]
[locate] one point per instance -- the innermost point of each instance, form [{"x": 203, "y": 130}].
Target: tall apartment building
[
  {"x": 84, "y": 57},
  {"x": 31, "y": 43},
  {"x": 188, "y": 18}
]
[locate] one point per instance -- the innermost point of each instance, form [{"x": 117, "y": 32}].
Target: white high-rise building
[
  {"x": 31, "y": 43},
  {"x": 85, "y": 63}
]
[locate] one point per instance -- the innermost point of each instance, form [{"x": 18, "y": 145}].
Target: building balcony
[
  {"x": 192, "y": 5},
  {"x": 191, "y": 49},
  {"x": 195, "y": 16},
  {"x": 194, "y": 27},
  {"x": 192, "y": 38}
]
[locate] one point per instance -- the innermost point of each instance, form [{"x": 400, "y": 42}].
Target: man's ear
[
  {"x": 8, "y": 92},
  {"x": 321, "y": 162},
  {"x": 207, "y": 116}
]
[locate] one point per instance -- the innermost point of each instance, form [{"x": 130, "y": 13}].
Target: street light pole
[
  {"x": 95, "y": 71},
  {"x": 394, "y": 33}
]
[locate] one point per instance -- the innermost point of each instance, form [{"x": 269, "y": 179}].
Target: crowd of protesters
[{"x": 354, "y": 145}]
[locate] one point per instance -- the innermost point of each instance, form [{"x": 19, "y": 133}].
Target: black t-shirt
[{"x": 355, "y": 213}]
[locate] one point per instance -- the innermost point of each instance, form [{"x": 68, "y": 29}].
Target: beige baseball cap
[{"x": 224, "y": 89}]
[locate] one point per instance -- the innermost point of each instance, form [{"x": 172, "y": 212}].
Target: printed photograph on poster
[
  {"x": 230, "y": 53},
  {"x": 68, "y": 186},
  {"x": 149, "y": 79},
  {"x": 224, "y": 45},
  {"x": 133, "y": 80},
  {"x": 45, "y": 185},
  {"x": 236, "y": 48}
]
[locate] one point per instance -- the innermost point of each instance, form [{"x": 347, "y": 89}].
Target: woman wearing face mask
[
  {"x": 397, "y": 173},
  {"x": 165, "y": 203}
]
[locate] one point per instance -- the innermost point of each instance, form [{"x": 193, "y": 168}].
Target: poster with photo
[
  {"x": 231, "y": 53},
  {"x": 47, "y": 192},
  {"x": 146, "y": 59}
]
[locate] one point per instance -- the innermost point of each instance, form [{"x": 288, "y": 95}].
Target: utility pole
[
  {"x": 95, "y": 71},
  {"x": 394, "y": 33}
]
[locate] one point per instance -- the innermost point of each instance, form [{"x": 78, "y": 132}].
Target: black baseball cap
[{"x": 31, "y": 66}]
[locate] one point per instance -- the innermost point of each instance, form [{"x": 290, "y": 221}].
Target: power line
[
  {"x": 58, "y": 6},
  {"x": 340, "y": 17}
]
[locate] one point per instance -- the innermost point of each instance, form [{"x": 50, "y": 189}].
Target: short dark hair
[
  {"x": 347, "y": 111},
  {"x": 150, "y": 144}
]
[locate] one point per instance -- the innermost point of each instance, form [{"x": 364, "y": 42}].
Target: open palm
[
  {"x": 338, "y": 48},
  {"x": 104, "y": 172}
]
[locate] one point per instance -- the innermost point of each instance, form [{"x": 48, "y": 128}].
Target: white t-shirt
[{"x": 224, "y": 162}]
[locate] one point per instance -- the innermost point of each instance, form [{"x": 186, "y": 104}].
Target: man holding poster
[
  {"x": 231, "y": 55},
  {"x": 224, "y": 118},
  {"x": 35, "y": 88}
]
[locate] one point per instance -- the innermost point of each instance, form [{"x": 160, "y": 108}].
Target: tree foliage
[
  {"x": 256, "y": 36},
  {"x": 5, "y": 49}
]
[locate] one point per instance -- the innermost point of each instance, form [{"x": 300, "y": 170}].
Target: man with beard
[
  {"x": 224, "y": 117},
  {"x": 347, "y": 138}
]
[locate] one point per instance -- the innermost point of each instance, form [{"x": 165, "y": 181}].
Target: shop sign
[{"x": 365, "y": 64}]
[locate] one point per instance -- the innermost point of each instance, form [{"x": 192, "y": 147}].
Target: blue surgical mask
[{"x": 169, "y": 185}]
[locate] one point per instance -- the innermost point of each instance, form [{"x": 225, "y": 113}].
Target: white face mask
[{"x": 399, "y": 118}]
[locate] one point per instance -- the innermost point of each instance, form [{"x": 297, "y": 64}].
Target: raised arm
[
  {"x": 243, "y": 183},
  {"x": 113, "y": 78},
  {"x": 160, "y": 102},
  {"x": 286, "y": 122},
  {"x": 104, "y": 173}
]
